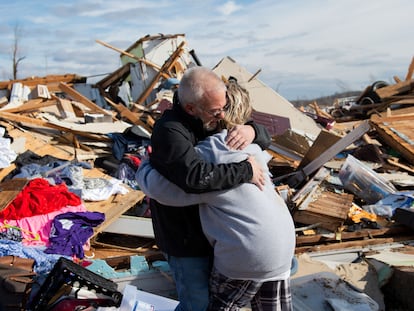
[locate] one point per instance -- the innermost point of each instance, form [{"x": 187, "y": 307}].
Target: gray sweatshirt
[{"x": 251, "y": 231}]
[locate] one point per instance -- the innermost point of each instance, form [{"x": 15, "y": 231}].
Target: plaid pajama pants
[{"x": 231, "y": 295}]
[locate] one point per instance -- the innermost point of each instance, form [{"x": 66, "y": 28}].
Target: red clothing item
[{"x": 39, "y": 197}]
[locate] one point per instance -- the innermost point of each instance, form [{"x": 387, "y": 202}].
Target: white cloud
[
  {"x": 228, "y": 8},
  {"x": 304, "y": 48}
]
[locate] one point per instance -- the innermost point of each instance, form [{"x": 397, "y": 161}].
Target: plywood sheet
[{"x": 114, "y": 207}]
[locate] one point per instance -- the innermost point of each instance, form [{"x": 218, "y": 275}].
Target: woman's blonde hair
[{"x": 239, "y": 109}]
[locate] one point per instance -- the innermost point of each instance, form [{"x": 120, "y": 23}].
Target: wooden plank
[
  {"x": 6, "y": 171},
  {"x": 65, "y": 107},
  {"x": 360, "y": 234},
  {"x": 395, "y": 89},
  {"x": 301, "y": 175},
  {"x": 49, "y": 79},
  {"x": 49, "y": 124},
  {"x": 9, "y": 189},
  {"x": 38, "y": 145},
  {"x": 33, "y": 104},
  {"x": 404, "y": 167},
  {"x": 165, "y": 68},
  {"x": 331, "y": 204},
  {"x": 315, "y": 201},
  {"x": 142, "y": 60},
  {"x": 410, "y": 71},
  {"x": 82, "y": 99},
  {"x": 398, "y": 133},
  {"x": 118, "y": 75},
  {"x": 309, "y": 218},
  {"x": 324, "y": 140},
  {"x": 132, "y": 117},
  {"x": 352, "y": 244},
  {"x": 114, "y": 207}
]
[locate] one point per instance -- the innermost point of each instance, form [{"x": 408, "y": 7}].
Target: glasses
[{"x": 216, "y": 112}]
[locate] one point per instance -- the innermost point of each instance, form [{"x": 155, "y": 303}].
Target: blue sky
[{"x": 305, "y": 49}]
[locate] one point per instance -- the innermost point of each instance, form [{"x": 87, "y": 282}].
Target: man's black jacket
[{"x": 178, "y": 230}]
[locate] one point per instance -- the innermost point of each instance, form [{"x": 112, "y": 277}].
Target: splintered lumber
[
  {"x": 353, "y": 240},
  {"x": 118, "y": 75},
  {"x": 398, "y": 133},
  {"x": 169, "y": 63},
  {"x": 114, "y": 207},
  {"x": 395, "y": 89},
  {"x": 65, "y": 107},
  {"x": 404, "y": 167},
  {"x": 82, "y": 99},
  {"x": 324, "y": 140},
  {"x": 50, "y": 79},
  {"x": 301, "y": 175},
  {"x": 410, "y": 71},
  {"x": 41, "y": 123},
  {"x": 132, "y": 117},
  {"x": 324, "y": 207},
  {"x": 33, "y": 104},
  {"x": 142, "y": 60}
]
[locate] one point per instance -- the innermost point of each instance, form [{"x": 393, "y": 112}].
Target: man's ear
[{"x": 190, "y": 109}]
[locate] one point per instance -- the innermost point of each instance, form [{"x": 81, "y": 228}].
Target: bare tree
[{"x": 16, "y": 50}]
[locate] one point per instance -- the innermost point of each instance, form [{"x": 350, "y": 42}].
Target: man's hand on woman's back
[{"x": 258, "y": 175}]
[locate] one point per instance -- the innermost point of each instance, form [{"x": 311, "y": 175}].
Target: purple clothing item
[{"x": 70, "y": 231}]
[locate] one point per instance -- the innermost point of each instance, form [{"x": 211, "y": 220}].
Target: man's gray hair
[{"x": 196, "y": 82}]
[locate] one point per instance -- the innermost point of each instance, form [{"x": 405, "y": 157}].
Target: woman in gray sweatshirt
[{"x": 251, "y": 230}]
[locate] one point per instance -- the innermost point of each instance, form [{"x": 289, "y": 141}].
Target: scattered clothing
[
  {"x": 7, "y": 155},
  {"x": 71, "y": 231},
  {"x": 39, "y": 197},
  {"x": 43, "y": 262},
  {"x": 35, "y": 230},
  {"x": 100, "y": 189}
]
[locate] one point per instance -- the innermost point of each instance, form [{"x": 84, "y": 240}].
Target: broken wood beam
[
  {"x": 360, "y": 238},
  {"x": 82, "y": 99},
  {"x": 299, "y": 176},
  {"x": 254, "y": 76},
  {"x": 33, "y": 104},
  {"x": 49, "y": 79},
  {"x": 118, "y": 75},
  {"x": 7, "y": 116},
  {"x": 410, "y": 71},
  {"x": 165, "y": 68},
  {"x": 65, "y": 107},
  {"x": 397, "y": 132},
  {"x": 357, "y": 244},
  {"x": 395, "y": 89},
  {"x": 132, "y": 117},
  {"x": 141, "y": 60}
]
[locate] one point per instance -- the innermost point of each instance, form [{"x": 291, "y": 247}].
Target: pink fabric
[{"x": 39, "y": 224}]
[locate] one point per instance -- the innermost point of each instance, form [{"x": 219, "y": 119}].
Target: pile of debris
[
  {"x": 346, "y": 173},
  {"x": 100, "y": 122},
  {"x": 376, "y": 99}
]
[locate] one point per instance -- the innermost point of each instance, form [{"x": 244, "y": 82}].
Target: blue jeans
[{"x": 191, "y": 276}]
